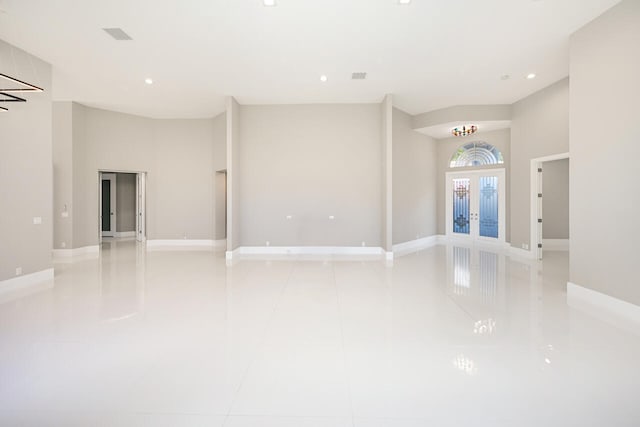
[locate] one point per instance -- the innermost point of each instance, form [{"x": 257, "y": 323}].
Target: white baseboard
[
  {"x": 69, "y": 253},
  {"x": 310, "y": 250},
  {"x": 202, "y": 243},
  {"x": 555, "y": 244},
  {"x": 232, "y": 255},
  {"x": 598, "y": 303},
  {"x": 24, "y": 282},
  {"x": 306, "y": 250},
  {"x": 125, "y": 234},
  {"x": 415, "y": 245}
]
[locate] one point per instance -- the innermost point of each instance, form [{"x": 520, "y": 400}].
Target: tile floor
[{"x": 447, "y": 336}]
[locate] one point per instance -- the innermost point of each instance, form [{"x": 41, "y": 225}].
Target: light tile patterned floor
[{"x": 447, "y": 336}]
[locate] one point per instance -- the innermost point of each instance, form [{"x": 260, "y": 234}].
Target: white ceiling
[{"x": 431, "y": 54}]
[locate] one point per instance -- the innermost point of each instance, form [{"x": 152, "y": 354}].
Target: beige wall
[
  {"x": 83, "y": 218},
  {"x": 176, "y": 154},
  {"x": 605, "y": 148},
  {"x": 220, "y": 164},
  {"x": 62, "y": 175},
  {"x": 182, "y": 181},
  {"x": 386, "y": 177},
  {"x": 310, "y": 162},
  {"x": 234, "y": 172},
  {"x": 446, "y": 147},
  {"x": 555, "y": 199},
  {"x": 26, "y": 170},
  {"x": 125, "y": 202},
  {"x": 414, "y": 181},
  {"x": 539, "y": 127}
]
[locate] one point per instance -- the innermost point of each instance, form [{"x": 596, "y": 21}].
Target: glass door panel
[
  {"x": 488, "y": 206},
  {"x": 461, "y": 205}
]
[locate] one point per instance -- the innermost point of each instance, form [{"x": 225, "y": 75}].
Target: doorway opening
[
  {"x": 220, "y": 226},
  {"x": 122, "y": 205},
  {"x": 550, "y": 204},
  {"x": 108, "y": 204},
  {"x": 476, "y": 205}
]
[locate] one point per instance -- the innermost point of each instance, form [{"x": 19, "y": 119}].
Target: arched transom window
[{"x": 476, "y": 154}]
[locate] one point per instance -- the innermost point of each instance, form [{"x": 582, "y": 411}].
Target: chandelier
[
  {"x": 464, "y": 130},
  {"x": 14, "y": 85}
]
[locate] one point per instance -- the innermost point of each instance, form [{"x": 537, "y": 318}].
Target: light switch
[
  {"x": 65, "y": 214},
  {"x": 37, "y": 220}
]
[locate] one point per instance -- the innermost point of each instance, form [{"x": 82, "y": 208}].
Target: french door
[{"x": 476, "y": 205}]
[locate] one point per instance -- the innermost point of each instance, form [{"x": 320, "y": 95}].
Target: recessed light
[
  {"x": 269, "y": 3},
  {"x": 148, "y": 81},
  {"x": 323, "y": 78},
  {"x": 531, "y": 76},
  {"x": 404, "y": 2},
  {"x": 505, "y": 77}
]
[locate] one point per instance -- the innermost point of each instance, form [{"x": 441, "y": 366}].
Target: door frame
[
  {"x": 535, "y": 204},
  {"x": 141, "y": 201},
  {"x": 141, "y": 206},
  {"x": 502, "y": 209},
  {"x": 112, "y": 178}
]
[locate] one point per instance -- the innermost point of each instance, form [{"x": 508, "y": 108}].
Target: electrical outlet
[
  {"x": 63, "y": 244},
  {"x": 525, "y": 246},
  {"x": 18, "y": 271},
  {"x": 268, "y": 243},
  {"x": 364, "y": 244}
]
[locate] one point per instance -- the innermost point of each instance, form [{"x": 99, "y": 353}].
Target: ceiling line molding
[{"x": 462, "y": 113}]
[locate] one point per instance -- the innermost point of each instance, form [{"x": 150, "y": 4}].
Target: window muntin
[{"x": 476, "y": 154}]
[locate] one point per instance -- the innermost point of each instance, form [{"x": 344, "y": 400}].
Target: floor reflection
[
  {"x": 465, "y": 364},
  {"x": 122, "y": 282},
  {"x": 475, "y": 273},
  {"x": 484, "y": 327}
]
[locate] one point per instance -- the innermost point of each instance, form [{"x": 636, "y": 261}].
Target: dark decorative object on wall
[{"x": 15, "y": 85}]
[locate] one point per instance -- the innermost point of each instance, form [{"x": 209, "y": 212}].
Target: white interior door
[
  {"x": 108, "y": 204},
  {"x": 141, "y": 204},
  {"x": 476, "y": 205}
]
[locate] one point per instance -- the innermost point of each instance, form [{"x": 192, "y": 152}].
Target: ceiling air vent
[
  {"x": 358, "y": 76},
  {"x": 117, "y": 33}
]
